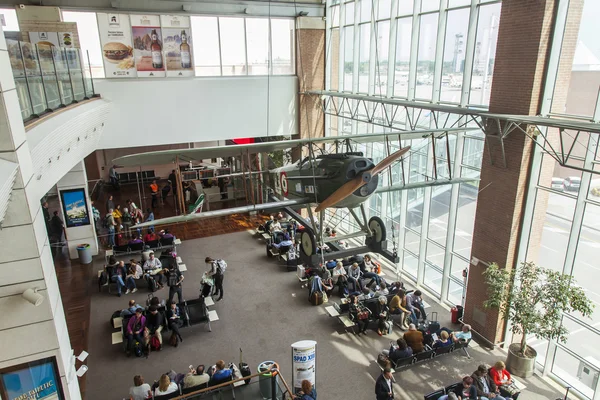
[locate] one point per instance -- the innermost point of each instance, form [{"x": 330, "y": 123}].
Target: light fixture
[
  {"x": 114, "y": 4},
  {"x": 186, "y": 7},
  {"x": 84, "y": 354},
  {"x": 82, "y": 370},
  {"x": 303, "y": 13},
  {"x": 32, "y": 296}
]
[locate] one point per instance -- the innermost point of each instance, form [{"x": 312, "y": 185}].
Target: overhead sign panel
[
  {"x": 148, "y": 46},
  {"x": 177, "y": 42},
  {"x": 117, "y": 50}
]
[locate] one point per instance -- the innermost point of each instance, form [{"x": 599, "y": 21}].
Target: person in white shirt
[
  {"x": 339, "y": 272},
  {"x": 165, "y": 386},
  {"x": 275, "y": 226},
  {"x": 153, "y": 267},
  {"x": 140, "y": 390}
]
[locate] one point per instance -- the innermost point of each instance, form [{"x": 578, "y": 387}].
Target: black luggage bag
[{"x": 244, "y": 369}]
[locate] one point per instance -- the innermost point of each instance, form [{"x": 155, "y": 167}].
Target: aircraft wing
[
  {"x": 219, "y": 213},
  {"x": 203, "y": 153},
  {"x": 416, "y": 185}
]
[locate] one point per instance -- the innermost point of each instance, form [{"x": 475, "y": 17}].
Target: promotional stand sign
[
  {"x": 117, "y": 50},
  {"x": 148, "y": 46},
  {"x": 44, "y": 38},
  {"x": 304, "y": 363},
  {"x": 177, "y": 45}
]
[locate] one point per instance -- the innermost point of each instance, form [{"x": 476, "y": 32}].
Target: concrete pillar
[
  {"x": 27, "y": 332},
  {"x": 77, "y": 179},
  {"x": 522, "y": 57}
]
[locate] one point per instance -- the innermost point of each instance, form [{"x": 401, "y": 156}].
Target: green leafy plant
[{"x": 535, "y": 302}]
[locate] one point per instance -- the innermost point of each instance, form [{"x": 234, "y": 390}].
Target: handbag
[{"x": 362, "y": 315}]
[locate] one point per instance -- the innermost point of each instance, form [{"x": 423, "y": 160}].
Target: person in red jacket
[{"x": 504, "y": 381}]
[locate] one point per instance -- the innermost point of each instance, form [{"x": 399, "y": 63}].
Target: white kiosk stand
[{"x": 304, "y": 363}]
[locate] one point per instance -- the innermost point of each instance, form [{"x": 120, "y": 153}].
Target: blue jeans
[
  {"x": 356, "y": 285},
  {"x": 111, "y": 237},
  {"x": 373, "y": 276},
  {"x": 120, "y": 284},
  {"x": 422, "y": 313}
]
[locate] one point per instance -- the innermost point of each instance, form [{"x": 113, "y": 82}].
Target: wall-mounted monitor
[
  {"x": 33, "y": 380},
  {"x": 75, "y": 208}
]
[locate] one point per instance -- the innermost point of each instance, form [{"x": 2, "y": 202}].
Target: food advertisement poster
[
  {"x": 65, "y": 39},
  {"x": 117, "y": 50},
  {"x": 74, "y": 207},
  {"x": 148, "y": 45},
  {"x": 34, "y": 380},
  {"x": 304, "y": 357},
  {"x": 44, "y": 38},
  {"x": 16, "y": 60},
  {"x": 177, "y": 42}
]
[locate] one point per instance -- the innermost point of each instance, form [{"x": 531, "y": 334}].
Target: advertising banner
[
  {"x": 304, "y": 365},
  {"x": 34, "y": 380},
  {"x": 148, "y": 45},
  {"x": 177, "y": 41},
  {"x": 75, "y": 207},
  {"x": 117, "y": 50},
  {"x": 44, "y": 38},
  {"x": 65, "y": 39}
]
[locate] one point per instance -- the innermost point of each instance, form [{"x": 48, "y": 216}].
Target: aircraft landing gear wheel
[
  {"x": 378, "y": 229},
  {"x": 308, "y": 244}
]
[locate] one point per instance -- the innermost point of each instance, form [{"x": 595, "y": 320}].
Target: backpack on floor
[
  {"x": 152, "y": 286},
  {"x": 138, "y": 349},
  {"x": 174, "y": 340},
  {"x": 154, "y": 343},
  {"x": 102, "y": 280}
]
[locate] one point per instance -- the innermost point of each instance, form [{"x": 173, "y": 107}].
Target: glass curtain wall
[
  {"x": 562, "y": 214},
  {"x": 417, "y": 51}
]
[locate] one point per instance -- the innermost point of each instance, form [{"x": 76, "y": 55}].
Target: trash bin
[
  {"x": 264, "y": 380},
  {"x": 84, "y": 252}
]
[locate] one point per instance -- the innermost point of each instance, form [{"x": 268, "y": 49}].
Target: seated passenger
[
  {"x": 153, "y": 270},
  {"x": 443, "y": 341},
  {"x": 195, "y": 377},
  {"x": 275, "y": 226},
  {"x": 382, "y": 311},
  {"x": 131, "y": 309},
  {"x": 330, "y": 264},
  {"x": 135, "y": 330},
  {"x": 118, "y": 272},
  {"x": 140, "y": 390},
  {"x": 327, "y": 283},
  {"x": 165, "y": 386},
  {"x": 307, "y": 392},
  {"x": 371, "y": 270},
  {"x": 150, "y": 236},
  {"x": 339, "y": 274},
  {"x": 284, "y": 243},
  {"x": 484, "y": 384},
  {"x": 504, "y": 381},
  {"x": 395, "y": 287},
  {"x": 366, "y": 294},
  {"x": 136, "y": 239},
  {"x": 221, "y": 373},
  {"x": 134, "y": 271},
  {"x": 165, "y": 234},
  {"x": 154, "y": 325},
  {"x": 464, "y": 334},
  {"x": 174, "y": 319},
  {"x": 358, "y": 314},
  {"x": 266, "y": 227},
  {"x": 402, "y": 350},
  {"x": 398, "y": 306},
  {"x": 414, "y": 339},
  {"x": 381, "y": 290},
  {"x": 354, "y": 276},
  {"x": 466, "y": 391},
  {"x": 415, "y": 304}
]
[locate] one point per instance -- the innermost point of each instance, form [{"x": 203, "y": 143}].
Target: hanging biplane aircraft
[{"x": 343, "y": 179}]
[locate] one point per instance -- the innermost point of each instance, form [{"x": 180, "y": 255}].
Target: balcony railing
[{"x": 48, "y": 78}]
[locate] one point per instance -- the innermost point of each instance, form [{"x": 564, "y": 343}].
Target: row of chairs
[
  {"x": 184, "y": 391},
  {"x": 160, "y": 244},
  {"x": 144, "y": 176},
  {"x": 430, "y": 353}
]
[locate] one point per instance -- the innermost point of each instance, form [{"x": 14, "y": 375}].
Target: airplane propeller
[{"x": 360, "y": 180}]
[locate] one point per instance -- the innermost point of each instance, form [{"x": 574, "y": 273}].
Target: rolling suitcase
[
  {"x": 244, "y": 369},
  {"x": 434, "y": 325}
]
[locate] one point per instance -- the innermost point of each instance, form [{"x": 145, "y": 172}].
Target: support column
[
  {"x": 77, "y": 179},
  {"x": 27, "y": 332},
  {"x": 521, "y": 56}
]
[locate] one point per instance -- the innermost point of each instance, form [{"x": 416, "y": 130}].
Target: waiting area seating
[
  {"x": 138, "y": 248},
  {"x": 428, "y": 354},
  {"x": 132, "y": 177}
]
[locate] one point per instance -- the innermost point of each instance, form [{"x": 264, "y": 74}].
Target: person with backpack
[
  {"x": 110, "y": 224},
  {"x": 217, "y": 272},
  {"x": 127, "y": 221},
  {"x": 135, "y": 330},
  {"x": 174, "y": 279},
  {"x": 154, "y": 326}
]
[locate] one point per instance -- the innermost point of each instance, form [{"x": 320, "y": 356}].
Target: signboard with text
[
  {"x": 117, "y": 50},
  {"x": 33, "y": 380},
  {"x": 177, "y": 42}
]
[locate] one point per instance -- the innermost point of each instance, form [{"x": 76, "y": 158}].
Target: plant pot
[{"x": 518, "y": 364}]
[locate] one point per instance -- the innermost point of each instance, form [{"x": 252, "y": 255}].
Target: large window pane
[
  {"x": 257, "y": 40},
  {"x": 465, "y": 219},
  {"x": 282, "y": 46},
  {"x": 438, "y": 214},
  {"x": 585, "y": 269},
  {"x": 426, "y": 55},
  {"x": 384, "y": 9},
  {"x": 334, "y": 59},
  {"x": 455, "y": 292},
  {"x": 473, "y": 152},
  {"x": 364, "y": 58},
  {"x": 405, "y": 7},
  {"x": 435, "y": 254},
  {"x": 429, "y": 5},
  {"x": 403, "y": 39},
  {"x": 454, "y": 55},
  {"x": 233, "y": 48},
  {"x": 433, "y": 279},
  {"x": 334, "y": 14},
  {"x": 10, "y": 19},
  {"x": 414, "y": 212},
  {"x": 89, "y": 39},
  {"x": 553, "y": 216},
  {"x": 383, "y": 47},
  {"x": 348, "y": 57},
  {"x": 570, "y": 369},
  {"x": 349, "y": 13},
  {"x": 365, "y": 10},
  {"x": 412, "y": 241},
  {"x": 485, "y": 54},
  {"x": 410, "y": 264},
  {"x": 205, "y": 36}
]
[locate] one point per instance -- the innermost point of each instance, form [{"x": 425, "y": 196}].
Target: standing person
[
  {"x": 56, "y": 233},
  {"x": 140, "y": 390},
  {"x": 149, "y": 218},
  {"x": 96, "y": 217},
  {"x": 174, "y": 279},
  {"x": 113, "y": 177},
  {"x": 110, "y": 204},
  {"x": 126, "y": 221},
  {"x": 384, "y": 390},
  {"x": 111, "y": 224},
  {"x": 173, "y": 180},
  {"x": 165, "y": 191},
  {"x": 135, "y": 330},
  {"x": 46, "y": 212},
  {"x": 154, "y": 193},
  {"x": 217, "y": 272},
  {"x": 174, "y": 319}
]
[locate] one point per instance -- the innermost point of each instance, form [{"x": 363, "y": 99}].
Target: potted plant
[{"x": 533, "y": 299}]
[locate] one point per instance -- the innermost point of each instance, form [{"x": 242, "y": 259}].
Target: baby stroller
[{"x": 206, "y": 285}]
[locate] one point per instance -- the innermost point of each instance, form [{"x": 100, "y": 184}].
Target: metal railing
[{"x": 48, "y": 78}]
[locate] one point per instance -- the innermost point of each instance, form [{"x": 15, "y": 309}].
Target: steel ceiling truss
[{"x": 557, "y": 137}]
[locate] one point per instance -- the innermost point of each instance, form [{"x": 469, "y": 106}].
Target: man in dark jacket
[
  {"x": 384, "y": 388},
  {"x": 154, "y": 324},
  {"x": 485, "y": 386},
  {"x": 467, "y": 390}
]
